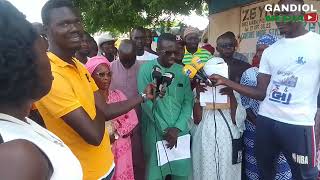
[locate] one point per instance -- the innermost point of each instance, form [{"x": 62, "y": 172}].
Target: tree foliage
[{"x": 122, "y": 15}]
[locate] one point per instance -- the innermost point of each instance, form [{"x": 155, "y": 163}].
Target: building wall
[{"x": 221, "y": 22}]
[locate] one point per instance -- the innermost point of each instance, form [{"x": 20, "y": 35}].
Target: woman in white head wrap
[{"x": 212, "y": 141}]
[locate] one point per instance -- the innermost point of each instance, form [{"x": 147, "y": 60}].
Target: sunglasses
[
  {"x": 103, "y": 74},
  {"x": 43, "y": 36},
  {"x": 227, "y": 45},
  {"x": 169, "y": 53}
]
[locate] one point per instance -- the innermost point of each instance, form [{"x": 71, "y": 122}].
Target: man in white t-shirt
[
  {"x": 288, "y": 84},
  {"x": 138, "y": 35}
]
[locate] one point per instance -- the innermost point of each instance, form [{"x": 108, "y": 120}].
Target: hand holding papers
[
  {"x": 215, "y": 66},
  {"x": 182, "y": 151}
]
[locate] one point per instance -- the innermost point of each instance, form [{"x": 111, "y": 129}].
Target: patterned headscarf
[{"x": 266, "y": 39}]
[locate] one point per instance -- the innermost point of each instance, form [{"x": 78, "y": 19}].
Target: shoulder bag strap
[{"x": 225, "y": 120}]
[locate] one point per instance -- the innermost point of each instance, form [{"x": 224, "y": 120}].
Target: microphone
[
  {"x": 157, "y": 77},
  {"x": 191, "y": 72},
  {"x": 198, "y": 65},
  {"x": 167, "y": 78}
]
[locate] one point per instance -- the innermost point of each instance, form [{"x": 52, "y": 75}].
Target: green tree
[{"x": 122, "y": 15}]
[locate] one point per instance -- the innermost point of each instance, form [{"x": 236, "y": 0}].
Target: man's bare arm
[
  {"x": 258, "y": 92},
  {"x": 92, "y": 131}
]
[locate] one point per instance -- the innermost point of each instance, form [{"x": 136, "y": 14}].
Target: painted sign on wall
[{"x": 253, "y": 24}]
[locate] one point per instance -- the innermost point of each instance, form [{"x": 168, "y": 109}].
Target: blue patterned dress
[{"x": 249, "y": 78}]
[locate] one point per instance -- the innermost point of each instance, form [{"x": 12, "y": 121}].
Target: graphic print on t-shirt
[
  {"x": 300, "y": 61},
  {"x": 282, "y": 87}
]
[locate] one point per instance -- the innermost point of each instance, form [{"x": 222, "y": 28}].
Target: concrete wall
[{"x": 224, "y": 21}]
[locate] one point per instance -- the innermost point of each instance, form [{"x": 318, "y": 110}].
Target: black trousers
[{"x": 297, "y": 143}]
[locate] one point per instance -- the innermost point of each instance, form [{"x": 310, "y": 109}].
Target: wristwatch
[
  {"x": 144, "y": 97},
  {"x": 116, "y": 136}
]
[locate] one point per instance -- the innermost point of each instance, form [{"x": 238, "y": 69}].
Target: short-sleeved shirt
[
  {"x": 203, "y": 54},
  {"x": 294, "y": 66},
  {"x": 73, "y": 88},
  {"x": 125, "y": 79}
]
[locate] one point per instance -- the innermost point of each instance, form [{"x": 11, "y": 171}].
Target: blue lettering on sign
[{"x": 280, "y": 97}]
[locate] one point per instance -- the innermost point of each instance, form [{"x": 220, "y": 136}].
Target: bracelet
[
  {"x": 116, "y": 136},
  {"x": 144, "y": 97}
]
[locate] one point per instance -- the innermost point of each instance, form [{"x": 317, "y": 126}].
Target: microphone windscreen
[
  {"x": 156, "y": 72},
  {"x": 197, "y": 63},
  {"x": 189, "y": 71},
  {"x": 167, "y": 78},
  {"x": 156, "y": 68},
  {"x": 168, "y": 75}
]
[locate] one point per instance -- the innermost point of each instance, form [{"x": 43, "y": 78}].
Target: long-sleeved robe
[{"x": 173, "y": 110}]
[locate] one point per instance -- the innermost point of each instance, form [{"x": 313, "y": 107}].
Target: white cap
[{"x": 105, "y": 38}]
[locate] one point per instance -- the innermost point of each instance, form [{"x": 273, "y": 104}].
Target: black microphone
[
  {"x": 167, "y": 79},
  {"x": 157, "y": 77}
]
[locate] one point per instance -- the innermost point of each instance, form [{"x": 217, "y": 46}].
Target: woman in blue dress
[{"x": 249, "y": 78}]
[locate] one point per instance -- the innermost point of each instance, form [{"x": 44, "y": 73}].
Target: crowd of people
[{"x": 75, "y": 108}]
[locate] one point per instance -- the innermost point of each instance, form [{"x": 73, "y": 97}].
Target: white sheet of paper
[
  {"x": 213, "y": 95},
  {"x": 214, "y": 67},
  {"x": 182, "y": 151}
]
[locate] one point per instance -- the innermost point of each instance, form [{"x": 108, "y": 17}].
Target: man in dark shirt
[
  {"x": 236, "y": 55},
  {"x": 226, "y": 47}
]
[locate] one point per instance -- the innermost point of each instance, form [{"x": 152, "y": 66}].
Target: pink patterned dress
[{"x": 121, "y": 148}]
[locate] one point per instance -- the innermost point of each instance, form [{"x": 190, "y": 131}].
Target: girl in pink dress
[{"x": 121, "y": 127}]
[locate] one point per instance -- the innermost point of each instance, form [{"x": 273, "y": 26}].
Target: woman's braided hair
[{"x": 18, "y": 70}]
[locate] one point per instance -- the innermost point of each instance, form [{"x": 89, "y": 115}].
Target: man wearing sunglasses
[
  {"x": 236, "y": 54},
  {"x": 226, "y": 48},
  {"x": 166, "y": 118}
]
